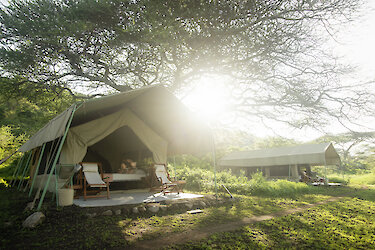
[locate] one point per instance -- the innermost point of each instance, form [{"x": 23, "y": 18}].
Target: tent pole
[
  {"x": 342, "y": 170},
  {"x": 46, "y": 167},
  {"x": 17, "y": 169},
  {"x": 37, "y": 168},
  {"x": 325, "y": 172},
  {"x": 56, "y": 158},
  {"x": 214, "y": 163},
  {"x": 56, "y": 186},
  {"x": 174, "y": 166},
  {"x": 24, "y": 170}
]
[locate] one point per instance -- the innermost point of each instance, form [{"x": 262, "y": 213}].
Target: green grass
[
  {"x": 71, "y": 228},
  {"x": 347, "y": 224},
  {"x": 365, "y": 179}
]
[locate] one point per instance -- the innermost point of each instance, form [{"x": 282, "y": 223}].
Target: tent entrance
[{"x": 123, "y": 143}]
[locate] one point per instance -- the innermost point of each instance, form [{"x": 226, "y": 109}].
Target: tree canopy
[
  {"x": 25, "y": 106},
  {"x": 270, "y": 50}
]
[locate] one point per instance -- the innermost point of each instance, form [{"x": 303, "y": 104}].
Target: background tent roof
[
  {"x": 312, "y": 154},
  {"x": 154, "y": 105}
]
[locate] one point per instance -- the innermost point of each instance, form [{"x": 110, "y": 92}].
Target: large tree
[
  {"x": 25, "y": 106},
  {"x": 271, "y": 50}
]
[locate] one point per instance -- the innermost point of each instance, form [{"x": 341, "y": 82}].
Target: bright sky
[{"x": 355, "y": 46}]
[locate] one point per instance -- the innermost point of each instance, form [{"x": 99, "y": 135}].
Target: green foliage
[
  {"x": 272, "y": 142},
  {"x": 3, "y": 182},
  {"x": 355, "y": 149},
  {"x": 204, "y": 180},
  {"x": 119, "y": 45},
  {"x": 9, "y": 143},
  {"x": 26, "y": 106}
]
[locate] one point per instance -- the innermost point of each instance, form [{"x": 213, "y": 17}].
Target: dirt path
[{"x": 201, "y": 233}]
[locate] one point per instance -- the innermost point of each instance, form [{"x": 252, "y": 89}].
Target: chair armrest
[{"x": 106, "y": 179}]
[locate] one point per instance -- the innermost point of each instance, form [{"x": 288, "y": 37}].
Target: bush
[
  {"x": 203, "y": 180},
  {"x": 8, "y": 144}
]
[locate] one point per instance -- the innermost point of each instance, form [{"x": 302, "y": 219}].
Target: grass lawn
[{"x": 348, "y": 223}]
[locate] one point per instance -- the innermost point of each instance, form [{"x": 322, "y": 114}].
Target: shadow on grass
[
  {"x": 71, "y": 228},
  {"x": 346, "y": 224}
]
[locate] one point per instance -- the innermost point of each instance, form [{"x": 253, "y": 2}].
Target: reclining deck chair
[
  {"x": 167, "y": 185},
  {"x": 92, "y": 179}
]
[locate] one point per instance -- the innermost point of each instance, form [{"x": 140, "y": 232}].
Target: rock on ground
[
  {"x": 142, "y": 209},
  {"x": 89, "y": 215},
  {"x": 108, "y": 212},
  {"x": 33, "y": 220},
  {"x": 202, "y": 204},
  {"x": 189, "y": 205},
  {"x": 135, "y": 210},
  {"x": 153, "y": 209}
]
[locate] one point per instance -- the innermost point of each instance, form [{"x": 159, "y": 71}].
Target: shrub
[
  {"x": 204, "y": 180},
  {"x": 8, "y": 144}
]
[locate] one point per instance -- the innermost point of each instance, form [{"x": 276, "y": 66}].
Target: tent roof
[
  {"x": 154, "y": 105},
  {"x": 312, "y": 154}
]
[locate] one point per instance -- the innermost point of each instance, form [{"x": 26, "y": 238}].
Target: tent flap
[{"x": 52, "y": 130}]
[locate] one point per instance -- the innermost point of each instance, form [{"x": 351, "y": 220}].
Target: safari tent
[
  {"x": 148, "y": 122},
  {"x": 282, "y": 162}
]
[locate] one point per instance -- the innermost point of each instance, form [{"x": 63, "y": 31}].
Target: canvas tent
[
  {"x": 278, "y": 159},
  {"x": 150, "y": 121}
]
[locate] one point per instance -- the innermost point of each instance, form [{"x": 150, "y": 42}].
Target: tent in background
[
  {"x": 282, "y": 162},
  {"x": 147, "y": 122}
]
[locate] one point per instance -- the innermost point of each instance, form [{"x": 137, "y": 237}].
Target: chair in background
[
  {"x": 167, "y": 185},
  {"x": 92, "y": 179}
]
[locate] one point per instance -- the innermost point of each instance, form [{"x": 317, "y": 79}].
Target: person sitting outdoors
[{"x": 128, "y": 166}]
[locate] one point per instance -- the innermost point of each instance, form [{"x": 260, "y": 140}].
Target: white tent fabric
[
  {"x": 154, "y": 116},
  {"x": 311, "y": 154},
  {"x": 52, "y": 130},
  {"x": 87, "y": 134}
]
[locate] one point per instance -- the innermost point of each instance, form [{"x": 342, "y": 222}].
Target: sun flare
[{"x": 209, "y": 98}]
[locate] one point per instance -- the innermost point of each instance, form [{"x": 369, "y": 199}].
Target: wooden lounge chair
[
  {"x": 92, "y": 179},
  {"x": 167, "y": 185}
]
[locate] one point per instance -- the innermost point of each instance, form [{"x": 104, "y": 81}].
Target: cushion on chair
[
  {"x": 94, "y": 179},
  {"x": 90, "y": 167},
  {"x": 161, "y": 173}
]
